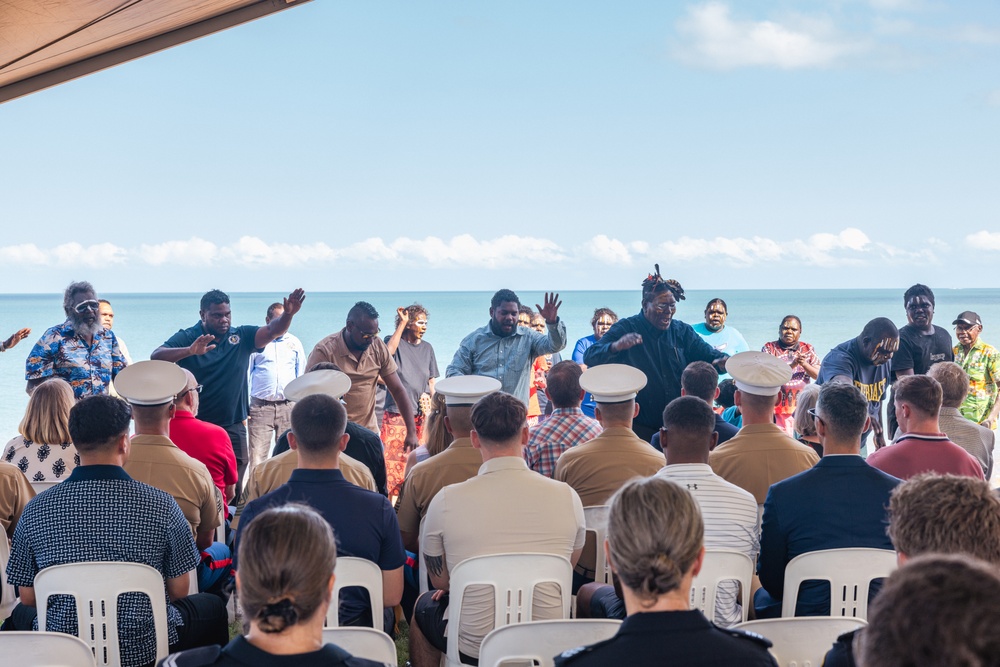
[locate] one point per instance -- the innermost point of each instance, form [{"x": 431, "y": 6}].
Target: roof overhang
[{"x": 47, "y": 42}]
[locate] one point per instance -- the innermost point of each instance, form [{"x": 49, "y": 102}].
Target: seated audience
[
  {"x": 284, "y": 587},
  {"x": 43, "y": 451},
  {"x": 363, "y": 520},
  {"x": 935, "y": 610},
  {"x": 838, "y": 503},
  {"x": 566, "y": 427},
  {"x": 498, "y": 511},
  {"x": 92, "y": 517},
  {"x": 967, "y": 434},
  {"x": 655, "y": 547},
  {"x": 15, "y": 492},
  {"x": 701, "y": 379},
  {"x": 922, "y": 447},
  {"x": 944, "y": 514},
  {"x": 803, "y": 421},
  {"x": 436, "y": 436}
]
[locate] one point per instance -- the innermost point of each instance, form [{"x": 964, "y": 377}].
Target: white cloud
[
  {"x": 976, "y": 34},
  {"x": 984, "y": 240},
  {"x": 848, "y": 247},
  {"x": 713, "y": 38}
]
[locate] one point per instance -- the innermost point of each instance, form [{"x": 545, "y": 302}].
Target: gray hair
[
  {"x": 655, "y": 534},
  {"x": 806, "y": 399},
  {"x": 72, "y": 291}
]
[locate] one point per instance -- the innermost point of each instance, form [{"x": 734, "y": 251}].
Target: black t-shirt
[
  {"x": 222, "y": 371},
  {"x": 241, "y": 653},
  {"x": 919, "y": 352}
]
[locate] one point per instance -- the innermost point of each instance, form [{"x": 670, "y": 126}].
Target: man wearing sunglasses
[{"x": 79, "y": 350}]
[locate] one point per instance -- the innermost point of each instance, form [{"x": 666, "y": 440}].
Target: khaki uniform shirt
[
  {"x": 156, "y": 461},
  {"x": 758, "y": 456},
  {"x": 375, "y": 362},
  {"x": 15, "y": 492},
  {"x": 598, "y": 468},
  {"x": 506, "y": 508},
  {"x": 455, "y": 464}
]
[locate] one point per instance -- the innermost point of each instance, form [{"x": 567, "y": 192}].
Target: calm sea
[{"x": 144, "y": 321}]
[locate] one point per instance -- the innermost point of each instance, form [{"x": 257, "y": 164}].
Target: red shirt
[
  {"x": 208, "y": 443},
  {"x": 912, "y": 454}
]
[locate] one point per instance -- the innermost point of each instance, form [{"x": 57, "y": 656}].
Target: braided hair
[{"x": 655, "y": 283}]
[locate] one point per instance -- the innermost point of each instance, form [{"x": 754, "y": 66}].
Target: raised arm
[{"x": 279, "y": 325}]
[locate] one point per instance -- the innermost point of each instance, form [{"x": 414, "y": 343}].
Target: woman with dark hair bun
[
  {"x": 284, "y": 583},
  {"x": 655, "y": 547}
]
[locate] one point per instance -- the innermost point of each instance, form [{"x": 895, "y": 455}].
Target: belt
[{"x": 264, "y": 400}]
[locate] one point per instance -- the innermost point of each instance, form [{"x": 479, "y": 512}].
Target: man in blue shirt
[
  {"x": 281, "y": 361},
  {"x": 363, "y": 521},
  {"x": 101, "y": 514},
  {"x": 658, "y": 345},
  {"x": 505, "y": 351},
  {"x": 218, "y": 354}
]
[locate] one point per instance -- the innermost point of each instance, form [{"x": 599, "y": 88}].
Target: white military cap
[
  {"x": 329, "y": 382},
  {"x": 758, "y": 372},
  {"x": 613, "y": 383},
  {"x": 150, "y": 382},
  {"x": 466, "y": 389}
]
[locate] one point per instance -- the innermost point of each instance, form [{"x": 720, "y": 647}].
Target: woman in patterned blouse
[{"x": 44, "y": 451}]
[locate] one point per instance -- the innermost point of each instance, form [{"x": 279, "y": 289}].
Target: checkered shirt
[
  {"x": 101, "y": 514},
  {"x": 565, "y": 428}
]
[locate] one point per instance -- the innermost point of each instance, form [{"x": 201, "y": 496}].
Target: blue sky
[{"x": 565, "y": 145}]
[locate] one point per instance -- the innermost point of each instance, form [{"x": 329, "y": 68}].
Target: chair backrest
[
  {"x": 802, "y": 641},
  {"x": 597, "y": 523},
  {"x": 721, "y": 566},
  {"x": 356, "y": 572},
  {"x": 849, "y": 571},
  {"x": 8, "y": 596},
  {"x": 366, "y": 643},
  {"x": 538, "y": 642},
  {"x": 45, "y": 649},
  {"x": 42, "y": 486},
  {"x": 96, "y": 587},
  {"x": 513, "y": 578}
]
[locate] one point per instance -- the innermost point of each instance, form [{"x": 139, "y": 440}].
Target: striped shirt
[
  {"x": 731, "y": 523},
  {"x": 565, "y": 428}
]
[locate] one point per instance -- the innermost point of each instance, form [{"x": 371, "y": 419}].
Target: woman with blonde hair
[
  {"x": 436, "y": 436},
  {"x": 44, "y": 451},
  {"x": 654, "y": 545},
  {"x": 805, "y": 424},
  {"x": 285, "y": 585}
]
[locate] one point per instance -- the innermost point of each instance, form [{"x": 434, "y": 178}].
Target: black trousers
[{"x": 238, "y": 436}]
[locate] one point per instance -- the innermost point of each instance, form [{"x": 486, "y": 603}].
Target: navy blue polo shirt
[
  {"x": 223, "y": 372},
  {"x": 99, "y": 513},
  {"x": 363, "y": 523}
]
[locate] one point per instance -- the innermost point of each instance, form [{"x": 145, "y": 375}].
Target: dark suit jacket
[{"x": 840, "y": 502}]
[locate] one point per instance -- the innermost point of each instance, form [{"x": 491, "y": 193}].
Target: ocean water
[{"x": 144, "y": 321}]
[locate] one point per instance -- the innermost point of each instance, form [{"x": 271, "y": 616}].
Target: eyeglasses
[
  {"x": 369, "y": 336},
  {"x": 90, "y": 304},
  {"x": 197, "y": 388},
  {"x": 814, "y": 413}
]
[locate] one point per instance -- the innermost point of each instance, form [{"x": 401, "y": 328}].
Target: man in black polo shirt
[{"x": 218, "y": 355}]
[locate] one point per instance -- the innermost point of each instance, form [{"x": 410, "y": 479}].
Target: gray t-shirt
[{"x": 416, "y": 366}]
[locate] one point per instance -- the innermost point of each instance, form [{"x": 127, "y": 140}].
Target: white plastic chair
[
  {"x": 8, "y": 596},
  {"x": 537, "y": 642},
  {"x": 366, "y": 643},
  {"x": 96, "y": 587},
  {"x": 720, "y": 566},
  {"x": 45, "y": 649},
  {"x": 802, "y": 641},
  {"x": 42, "y": 486},
  {"x": 513, "y": 578},
  {"x": 596, "y": 518},
  {"x": 356, "y": 572},
  {"x": 849, "y": 571}
]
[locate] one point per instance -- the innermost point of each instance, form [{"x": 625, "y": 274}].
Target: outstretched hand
[
  {"x": 202, "y": 344},
  {"x": 16, "y": 338},
  {"x": 293, "y": 302},
  {"x": 550, "y": 311}
]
